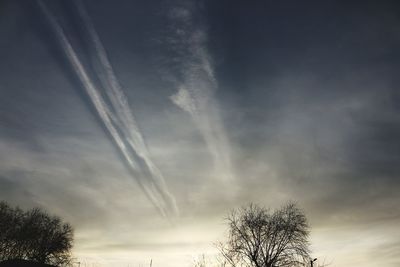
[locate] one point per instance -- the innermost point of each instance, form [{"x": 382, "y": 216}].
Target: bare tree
[
  {"x": 260, "y": 238},
  {"x": 200, "y": 262},
  {"x": 203, "y": 261},
  {"x": 34, "y": 235}
]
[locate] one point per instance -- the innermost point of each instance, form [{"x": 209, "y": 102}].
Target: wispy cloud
[{"x": 196, "y": 90}]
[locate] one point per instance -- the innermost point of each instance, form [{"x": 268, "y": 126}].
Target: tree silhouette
[
  {"x": 34, "y": 235},
  {"x": 260, "y": 238}
]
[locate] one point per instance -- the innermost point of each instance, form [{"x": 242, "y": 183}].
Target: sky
[{"x": 193, "y": 108}]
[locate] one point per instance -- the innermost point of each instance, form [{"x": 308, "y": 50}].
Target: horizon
[{"x": 144, "y": 124}]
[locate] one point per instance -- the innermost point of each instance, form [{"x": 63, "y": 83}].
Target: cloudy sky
[{"x": 192, "y": 108}]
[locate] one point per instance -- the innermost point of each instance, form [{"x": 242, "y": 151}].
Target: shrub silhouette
[
  {"x": 22, "y": 263},
  {"x": 34, "y": 235}
]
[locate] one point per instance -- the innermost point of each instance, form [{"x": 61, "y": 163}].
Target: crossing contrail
[
  {"x": 115, "y": 113},
  {"x": 196, "y": 92}
]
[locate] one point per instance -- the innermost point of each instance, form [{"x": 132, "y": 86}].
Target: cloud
[
  {"x": 183, "y": 100},
  {"x": 196, "y": 90}
]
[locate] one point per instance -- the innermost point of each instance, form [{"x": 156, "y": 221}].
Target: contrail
[
  {"x": 196, "y": 92},
  {"x": 118, "y": 101},
  {"x": 117, "y": 117}
]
